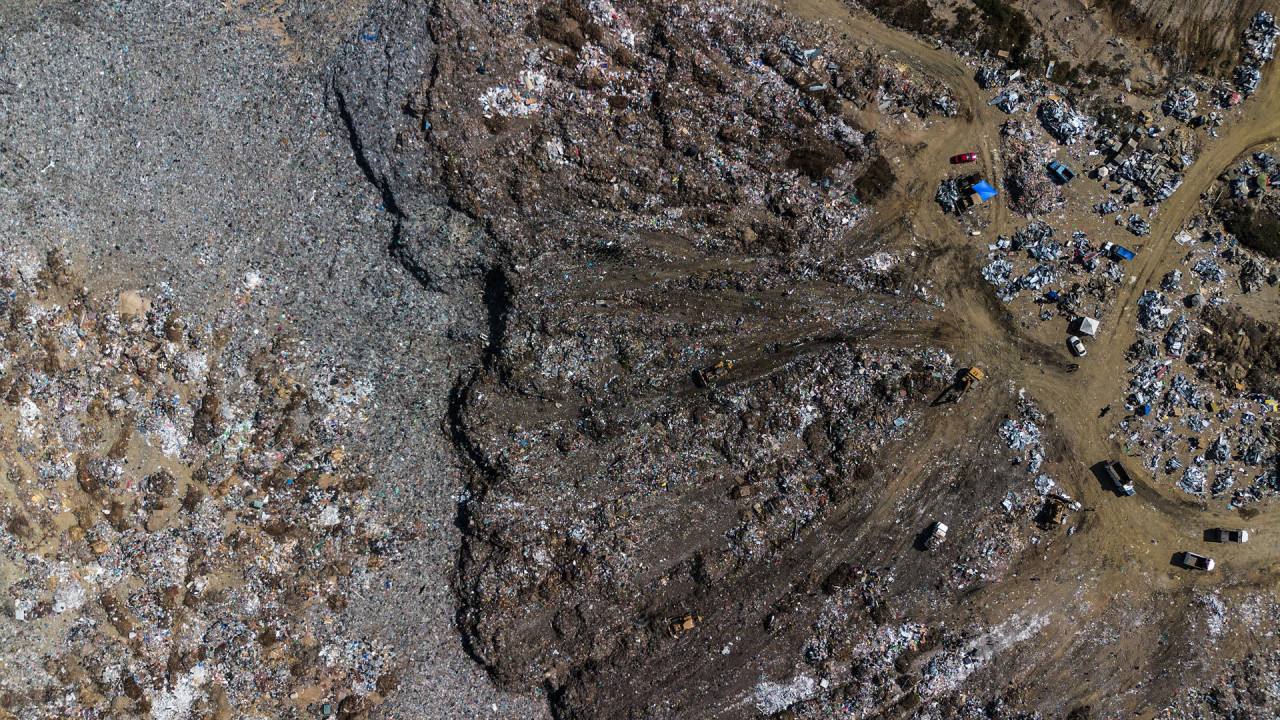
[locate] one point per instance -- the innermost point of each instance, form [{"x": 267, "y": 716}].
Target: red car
[{"x": 967, "y": 157}]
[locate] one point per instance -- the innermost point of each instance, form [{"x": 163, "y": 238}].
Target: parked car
[
  {"x": 1063, "y": 173},
  {"x": 1224, "y": 535},
  {"x": 1077, "y": 347},
  {"x": 1117, "y": 251},
  {"x": 965, "y": 158},
  {"x": 1197, "y": 562}
]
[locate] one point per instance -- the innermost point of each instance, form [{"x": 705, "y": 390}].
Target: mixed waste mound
[{"x": 182, "y": 521}]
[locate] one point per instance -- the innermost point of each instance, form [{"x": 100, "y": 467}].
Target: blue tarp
[
  {"x": 1125, "y": 253},
  {"x": 985, "y": 191}
]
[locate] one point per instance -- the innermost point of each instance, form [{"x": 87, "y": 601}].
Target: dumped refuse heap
[
  {"x": 1260, "y": 38},
  {"x": 1000, "y": 272},
  {"x": 1007, "y": 101},
  {"x": 988, "y": 78},
  {"x": 1247, "y": 78},
  {"x": 1180, "y": 104},
  {"x": 1154, "y": 311},
  {"x": 948, "y": 195},
  {"x": 1149, "y": 173},
  {"x": 1138, "y": 225},
  {"x": 1063, "y": 123},
  {"x": 1209, "y": 271},
  {"x": 1024, "y": 437},
  {"x": 187, "y": 526}
]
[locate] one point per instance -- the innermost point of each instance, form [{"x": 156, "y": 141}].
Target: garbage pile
[
  {"x": 1025, "y": 437},
  {"x": 988, "y": 78},
  {"x": 1138, "y": 225},
  {"x": 1247, "y": 78},
  {"x": 1063, "y": 123},
  {"x": 1193, "y": 481},
  {"x": 1175, "y": 341},
  {"x": 188, "y": 525},
  {"x": 945, "y": 105},
  {"x": 1180, "y": 104},
  {"x": 1153, "y": 311},
  {"x": 1260, "y": 39},
  {"x": 1259, "y": 48},
  {"x": 1007, "y": 101},
  {"x": 1150, "y": 174},
  {"x": 948, "y": 195},
  {"x": 1199, "y": 357},
  {"x": 1209, "y": 271},
  {"x": 1253, "y": 176},
  {"x": 1145, "y": 384},
  {"x": 997, "y": 272},
  {"x": 1029, "y": 188},
  {"x": 1108, "y": 206},
  {"x": 1252, "y": 275}
]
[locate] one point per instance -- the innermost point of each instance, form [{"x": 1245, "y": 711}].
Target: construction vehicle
[
  {"x": 1055, "y": 510},
  {"x": 936, "y": 533},
  {"x": 679, "y": 625},
  {"x": 1224, "y": 535},
  {"x": 1119, "y": 478},
  {"x": 704, "y": 377},
  {"x": 960, "y": 386}
]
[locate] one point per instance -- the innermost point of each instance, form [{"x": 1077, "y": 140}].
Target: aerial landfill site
[{"x": 575, "y": 359}]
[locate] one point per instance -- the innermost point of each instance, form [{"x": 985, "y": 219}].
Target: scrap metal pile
[
  {"x": 1204, "y": 404},
  {"x": 1150, "y": 174},
  {"x": 1259, "y": 48},
  {"x": 1180, "y": 104},
  {"x": 1036, "y": 240},
  {"x": 1063, "y": 123}
]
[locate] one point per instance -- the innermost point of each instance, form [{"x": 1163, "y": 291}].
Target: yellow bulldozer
[
  {"x": 962, "y": 384},
  {"x": 708, "y": 376}
]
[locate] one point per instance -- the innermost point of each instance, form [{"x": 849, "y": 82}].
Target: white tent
[{"x": 1088, "y": 326}]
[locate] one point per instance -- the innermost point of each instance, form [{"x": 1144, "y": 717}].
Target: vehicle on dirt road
[
  {"x": 1077, "y": 347},
  {"x": 1119, "y": 477},
  {"x": 1224, "y": 535},
  {"x": 1197, "y": 562},
  {"x": 964, "y": 158},
  {"x": 937, "y": 533}
]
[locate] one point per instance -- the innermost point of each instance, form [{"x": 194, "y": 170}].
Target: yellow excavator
[{"x": 960, "y": 386}]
